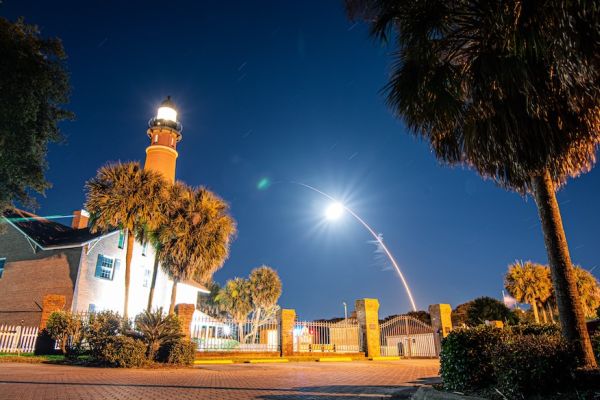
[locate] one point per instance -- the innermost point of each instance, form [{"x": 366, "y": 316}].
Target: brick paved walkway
[{"x": 307, "y": 380}]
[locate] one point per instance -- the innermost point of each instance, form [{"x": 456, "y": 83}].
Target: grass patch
[{"x": 30, "y": 358}]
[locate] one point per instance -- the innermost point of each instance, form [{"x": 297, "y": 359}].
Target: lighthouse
[{"x": 164, "y": 132}]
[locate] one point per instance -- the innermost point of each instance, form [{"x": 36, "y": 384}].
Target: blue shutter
[{"x": 98, "y": 272}]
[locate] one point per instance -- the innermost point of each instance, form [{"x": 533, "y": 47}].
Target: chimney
[{"x": 80, "y": 219}]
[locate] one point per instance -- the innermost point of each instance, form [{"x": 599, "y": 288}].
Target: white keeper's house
[{"x": 39, "y": 256}]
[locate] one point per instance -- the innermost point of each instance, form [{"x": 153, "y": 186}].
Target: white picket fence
[{"x": 17, "y": 339}]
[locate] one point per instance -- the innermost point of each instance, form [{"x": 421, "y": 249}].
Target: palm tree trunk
[
  {"x": 255, "y": 324},
  {"x": 128, "y": 254},
  {"x": 544, "y": 317},
  {"x": 153, "y": 284},
  {"x": 536, "y": 316},
  {"x": 570, "y": 310},
  {"x": 173, "y": 297},
  {"x": 550, "y": 312}
]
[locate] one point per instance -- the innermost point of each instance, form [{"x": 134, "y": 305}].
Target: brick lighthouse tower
[{"x": 164, "y": 133}]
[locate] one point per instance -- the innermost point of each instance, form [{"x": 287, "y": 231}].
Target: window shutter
[{"x": 98, "y": 272}]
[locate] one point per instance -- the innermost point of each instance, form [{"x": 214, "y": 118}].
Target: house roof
[
  {"x": 197, "y": 285},
  {"x": 46, "y": 233}
]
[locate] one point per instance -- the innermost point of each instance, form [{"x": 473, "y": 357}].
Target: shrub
[
  {"x": 123, "y": 352},
  {"x": 596, "y": 345},
  {"x": 66, "y": 328},
  {"x": 180, "y": 352},
  {"x": 535, "y": 329},
  {"x": 156, "y": 329},
  {"x": 533, "y": 364},
  {"x": 99, "y": 328},
  {"x": 466, "y": 358}
]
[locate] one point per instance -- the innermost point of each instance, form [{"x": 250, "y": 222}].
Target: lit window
[
  {"x": 144, "y": 247},
  {"x": 105, "y": 267},
  {"x": 155, "y": 138},
  {"x": 2, "y": 262},
  {"x": 147, "y": 276},
  {"x": 121, "y": 239}
]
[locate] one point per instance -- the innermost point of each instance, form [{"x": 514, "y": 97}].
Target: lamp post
[{"x": 336, "y": 209}]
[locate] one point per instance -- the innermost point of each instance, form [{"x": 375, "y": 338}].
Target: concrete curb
[{"x": 335, "y": 359}]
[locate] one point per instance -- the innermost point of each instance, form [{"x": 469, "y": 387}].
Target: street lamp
[{"x": 336, "y": 209}]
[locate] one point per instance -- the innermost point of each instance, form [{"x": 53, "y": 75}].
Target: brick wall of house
[{"x": 28, "y": 276}]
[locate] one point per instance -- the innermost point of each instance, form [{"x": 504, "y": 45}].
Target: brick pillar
[
  {"x": 367, "y": 313},
  {"x": 441, "y": 322},
  {"x": 286, "y": 320},
  {"x": 185, "y": 313},
  {"x": 51, "y": 303}
]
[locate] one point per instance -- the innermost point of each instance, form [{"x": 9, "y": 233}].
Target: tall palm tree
[
  {"x": 509, "y": 89},
  {"x": 194, "y": 240},
  {"x": 236, "y": 299},
  {"x": 265, "y": 289},
  {"x": 127, "y": 197},
  {"x": 526, "y": 283}
]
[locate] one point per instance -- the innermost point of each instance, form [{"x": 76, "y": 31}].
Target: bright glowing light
[
  {"x": 167, "y": 113},
  {"x": 335, "y": 210},
  {"x": 226, "y": 330}
]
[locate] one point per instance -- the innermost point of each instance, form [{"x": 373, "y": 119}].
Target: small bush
[
  {"x": 180, "y": 352},
  {"x": 533, "y": 364},
  {"x": 157, "y": 329},
  {"x": 123, "y": 352},
  {"x": 67, "y": 329},
  {"x": 466, "y": 358},
  {"x": 99, "y": 328}
]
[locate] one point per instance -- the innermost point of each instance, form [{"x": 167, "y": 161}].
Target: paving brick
[{"x": 340, "y": 381}]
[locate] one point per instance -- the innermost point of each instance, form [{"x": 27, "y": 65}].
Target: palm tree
[
  {"x": 236, "y": 299},
  {"x": 265, "y": 288},
  {"x": 589, "y": 290},
  {"x": 527, "y": 283},
  {"x": 194, "y": 240},
  {"x": 125, "y": 196},
  {"x": 509, "y": 89}
]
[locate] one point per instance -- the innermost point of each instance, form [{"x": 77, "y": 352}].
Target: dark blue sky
[{"x": 291, "y": 91}]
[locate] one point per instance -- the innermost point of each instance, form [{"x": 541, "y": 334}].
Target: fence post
[
  {"x": 367, "y": 313},
  {"x": 441, "y": 322},
  {"x": 185, "y": 313},
  {"x": 17, "y": 342},
  {"x": 286, "y": 319}
]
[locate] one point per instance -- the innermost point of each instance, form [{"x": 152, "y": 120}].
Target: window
[
  {"x": 147, "y": 276},
  {"x": 2, "y": 262},
  {"x": 144, "y": 247},
  {"x": 105, "y": 267},
  {"x": 121, "y": 239}
]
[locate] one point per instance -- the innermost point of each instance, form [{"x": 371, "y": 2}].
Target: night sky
[{"x": 291, "y": 91}]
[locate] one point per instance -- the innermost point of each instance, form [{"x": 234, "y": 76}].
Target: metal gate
[
  {"x": 327, "y": 337},
  {"x": 407, "y": 337}
]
